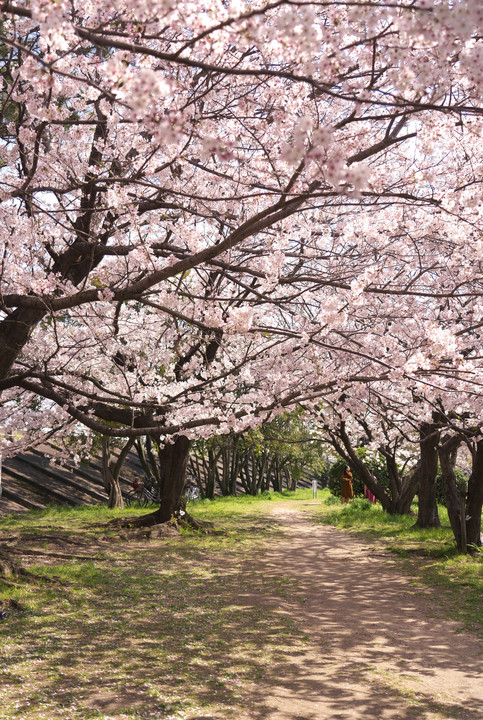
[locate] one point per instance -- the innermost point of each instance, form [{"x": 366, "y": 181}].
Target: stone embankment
[{"x": 35, "y": 479}]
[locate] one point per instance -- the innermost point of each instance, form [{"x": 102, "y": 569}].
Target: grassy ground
[
  {"x": 137, "y": 629},
  {"x": 176, "y": 627},
  {"x": 428, "y": 554}
]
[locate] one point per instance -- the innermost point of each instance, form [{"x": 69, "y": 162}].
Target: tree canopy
[{"x": 214, "y": 211}]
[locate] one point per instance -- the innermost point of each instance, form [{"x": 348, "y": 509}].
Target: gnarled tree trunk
[
  {"x": 427, "y": 507},
  {"x": 448, "y": 452},
  {"x": 403, "y": 489},
  {"x": 15, "y": 331}
]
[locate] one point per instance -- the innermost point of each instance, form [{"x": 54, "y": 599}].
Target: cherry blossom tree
[{"x": 214, "y": 211}]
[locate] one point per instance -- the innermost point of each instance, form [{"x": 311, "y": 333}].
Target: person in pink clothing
[{"x": 369, "y": 495}]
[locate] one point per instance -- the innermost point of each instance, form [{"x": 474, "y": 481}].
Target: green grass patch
[
  {"x": 140, "y": 629},
  {"x": 429, "y": 554},
  {"x": 177, "y": 627}
]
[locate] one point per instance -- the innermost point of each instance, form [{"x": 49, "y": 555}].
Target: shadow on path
[{"x": 374, "y": 650}]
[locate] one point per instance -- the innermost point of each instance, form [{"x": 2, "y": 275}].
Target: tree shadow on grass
[{"x": 311, "y": 626}]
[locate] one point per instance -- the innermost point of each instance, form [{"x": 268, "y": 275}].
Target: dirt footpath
[{"x": 377, "y": 649}]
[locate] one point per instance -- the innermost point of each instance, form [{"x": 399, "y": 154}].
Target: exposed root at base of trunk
[
  {"x": 7, "y": 607},
  {"x": 10, "y": 571},
  {"x": 208, "y": 528},
  {"x": 150, "y": 527},
  {"x": 142, "y": 521}
]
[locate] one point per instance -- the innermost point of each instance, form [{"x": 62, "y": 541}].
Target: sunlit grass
[
  {"x": 178, "y": 627},
  {"x": 429, "y": 554},
  {"x": 162, "y": 629}
]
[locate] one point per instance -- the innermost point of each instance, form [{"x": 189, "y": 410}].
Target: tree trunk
[
  {"x": 291, "y": 480},
  {"x": 352, "y": 459},
  {"x": 235, "y": 464},
  {"x": 427, "y": 507},
  {"x": 197, "y": 470},
  {"x": 111, "y": 477},
  {"x": 230, "y": 466},
  {"x": 173, "y": 462},
  {"x": 147, "y": 458},
  {"x": 474, "y": 502},
  {"x": 448, "y": 452},
  {"x": 277, "y": 475},
  {"x": 211, "y": 473},
  {"x": 15, "y": 331}
]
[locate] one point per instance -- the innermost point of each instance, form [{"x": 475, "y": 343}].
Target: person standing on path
[{"x": 347, "y": 492}]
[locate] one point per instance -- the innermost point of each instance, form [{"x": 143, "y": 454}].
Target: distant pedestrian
[{"x": 347, "y": 492}]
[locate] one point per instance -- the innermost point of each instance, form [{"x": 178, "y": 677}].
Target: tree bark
[
  {"x": 15, "y": 331},
  {"x": 409, "y": 488},
  {"x": 276, "y": 471},
  {"x": 448, "y": 453},
  {"x": 353, "y": 460},
  {"x": 173, "y": 462},
  {"x": 209, "y": 491},
  {"x": 474, "y": 503},
  {"x": 110, "y": 474},
  {"x": 427, "y": 507},
  {"x": 403, "y": 489}
]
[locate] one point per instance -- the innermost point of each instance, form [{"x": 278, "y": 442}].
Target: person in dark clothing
[{"x": 347, "y": 492}]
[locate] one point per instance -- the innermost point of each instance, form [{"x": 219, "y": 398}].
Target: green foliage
[
  {"x": 374, "y": 461},
  {"x": 284, "y": 447},
  {"x": 461, "y": 482}
]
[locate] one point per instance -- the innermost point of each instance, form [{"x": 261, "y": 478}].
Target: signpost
[{"x": 314, "y": 488}]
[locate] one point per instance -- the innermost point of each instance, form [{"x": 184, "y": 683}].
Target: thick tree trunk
[
  {"x": 427, "y": 507},
  {"x": 15, "y": 331},
  {"x": 448, "y": 453},
  {"x": 173, "y": 462},
  {"x": 115, "y": 492},
  {"x": 474, "y": 502}
]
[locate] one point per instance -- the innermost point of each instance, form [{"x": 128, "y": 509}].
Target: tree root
[
  {"x": 62, "y": 556},
  {"x": 152, "y": 528},
  {"x": 10, "y": 570},
  {"x": 142, "y": 521},
  {"x": 9, "y": 606},
  {"x": 44, "y": 537},
  {"x": 204, "y": 526}
]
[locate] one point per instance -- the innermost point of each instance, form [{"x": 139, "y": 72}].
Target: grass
[
  {"x": 429, "y": 554},
  {"x": 131, "y": 629},
  {"x": 134, "y": 629}
]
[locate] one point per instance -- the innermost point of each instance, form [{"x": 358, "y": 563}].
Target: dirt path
[{"x": 375, "y": 650}]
